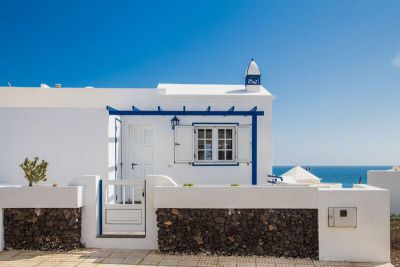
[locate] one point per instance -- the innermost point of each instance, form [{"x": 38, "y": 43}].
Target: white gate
[{"x": 124, "y": 208}]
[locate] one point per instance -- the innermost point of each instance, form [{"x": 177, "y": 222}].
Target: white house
[
  {"x": 123, "y": 156},
  {"x": 224, "y": 134}
]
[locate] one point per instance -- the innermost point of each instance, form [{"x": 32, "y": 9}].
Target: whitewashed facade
[{"x": 72, "y": 130}]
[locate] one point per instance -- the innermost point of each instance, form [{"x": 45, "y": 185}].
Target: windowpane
[
  {"x": 229, "y": 155},
  {"x": 229, "y": 144},
  {"x": 221, "y": 155},
  {"x": 201, "y": 133},
  {"x": 208, "y": 133},
  {"x": 209, "y": 144},
  {"x": 201, "y": 155},
  {"x": 221, "y": 133},
  {"x": 200, "y": 144},
  {"x": 221, "y": 144},
  {"x": 208, "y": 155},
  {"x": 228, "y": 133}
]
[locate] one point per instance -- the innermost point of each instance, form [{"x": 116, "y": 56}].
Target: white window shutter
[
  {"x": 243, "y": 143},
  {"x": 184, "y": 144}
]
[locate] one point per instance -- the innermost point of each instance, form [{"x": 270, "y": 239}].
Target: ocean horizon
[{"x": 346, "y": 175}]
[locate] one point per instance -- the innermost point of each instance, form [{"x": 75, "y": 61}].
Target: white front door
[{"x": 141, "y": 151}]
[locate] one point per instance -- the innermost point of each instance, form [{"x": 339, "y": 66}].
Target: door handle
[{"x": 133, "y": 165}]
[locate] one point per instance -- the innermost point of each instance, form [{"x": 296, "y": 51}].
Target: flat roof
[{"x": 208, "y": 89}]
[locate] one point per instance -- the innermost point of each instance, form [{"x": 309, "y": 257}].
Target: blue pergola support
[
  {"x": 254, "y": 150},
  {"x": 254, "y": 109},
  {"x": 184, "y": 108},
  {"x": 159, "y": 108},
  {"x": 111, "y": 108},
  {"x": 208, "y": 108},
  {"x": 100, "y": 185},
  {"x": 231, "y": 109},
  {"x": 135, "y": 108}
]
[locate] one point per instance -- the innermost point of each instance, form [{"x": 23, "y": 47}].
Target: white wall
[
  {"x": 41, "y": 197},
  {"x": 388, "y": 180},
  {"x": 70, "y": 129},
  {"x": 370, "y": 240},
  {"x": 72, "y": 141},
  {"x": 242, "y": 197}
]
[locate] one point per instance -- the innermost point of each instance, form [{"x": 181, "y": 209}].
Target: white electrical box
[{"x": 342, "y": 217}]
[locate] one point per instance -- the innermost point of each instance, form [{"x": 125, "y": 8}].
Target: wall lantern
[{"x": 174, "y": 122}]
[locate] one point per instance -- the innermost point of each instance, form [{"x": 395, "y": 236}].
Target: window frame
[{"x": 215, "y": 140}]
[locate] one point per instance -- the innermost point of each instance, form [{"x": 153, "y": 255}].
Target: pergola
[{"x": 254, "y": 113}]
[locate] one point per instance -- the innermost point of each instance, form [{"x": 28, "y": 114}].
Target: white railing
[{"x": 124, "y": 192}]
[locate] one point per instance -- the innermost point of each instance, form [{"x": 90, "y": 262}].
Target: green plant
[
  {"x": 235, "y": 185},
  {"x": 188, "y": 185},
  {"x": 34, "y": 171}
]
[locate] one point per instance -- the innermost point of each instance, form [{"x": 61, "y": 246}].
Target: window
[
  {"x": 214, "y": 144},
  {"x": 208, "y": 144}
]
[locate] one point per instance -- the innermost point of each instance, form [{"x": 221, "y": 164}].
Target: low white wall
[
  {"x": 370, "y": 240},
  {"x": 388, "y": 180},
  {"x": 37, "y": 197},
  {"x": 41, "y": 197},
  {"x": 242, "y": 197}
]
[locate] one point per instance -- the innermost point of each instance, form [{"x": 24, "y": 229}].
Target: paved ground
[{"x": 108, "y": 257}]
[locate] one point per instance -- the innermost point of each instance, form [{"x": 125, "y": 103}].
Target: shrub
[
  {"x": 235, "y": 185},
  {"x": 188, "y": 185},
  {"x": 34, "y": 171}
]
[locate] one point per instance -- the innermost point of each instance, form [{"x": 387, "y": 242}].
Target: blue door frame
[{"x": 208, "y": 112}]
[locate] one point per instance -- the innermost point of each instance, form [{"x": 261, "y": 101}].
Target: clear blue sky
[{"x": 333, "y": 65}]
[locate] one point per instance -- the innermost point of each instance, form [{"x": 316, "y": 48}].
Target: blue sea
[{"x": 346, "y": 175}]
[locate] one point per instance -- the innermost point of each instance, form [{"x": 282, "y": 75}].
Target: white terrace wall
[{"x": 70, "y": 129}]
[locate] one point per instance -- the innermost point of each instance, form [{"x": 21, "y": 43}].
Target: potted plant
[{"x": 34, "y": 170}]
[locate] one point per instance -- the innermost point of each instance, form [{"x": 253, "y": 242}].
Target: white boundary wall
[
  {"x": 368, "y": 242},
  {"x": 388, "y": 180}
]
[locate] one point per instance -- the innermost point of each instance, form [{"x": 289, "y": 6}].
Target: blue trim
[
  {"x": 216, "y": 164},
  {"x": 100, "y": 207},
  {"x": 212, "y": 123},
  {"x": 254, "y": 150},
  {"x": 184, "y": 113}
]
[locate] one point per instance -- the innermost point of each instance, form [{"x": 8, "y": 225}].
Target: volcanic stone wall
[
  {"x": 42, "y": 229},
  {"x": 273, "y": 232}
]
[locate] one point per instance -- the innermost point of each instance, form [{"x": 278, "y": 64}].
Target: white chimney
[
  {"x": 43, "y": 85},
  {"x": 253, "y": 77},
  {"x": 58, "y": 85}
]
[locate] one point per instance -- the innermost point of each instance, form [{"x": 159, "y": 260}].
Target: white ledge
[{"x": 41, "y": 197}]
